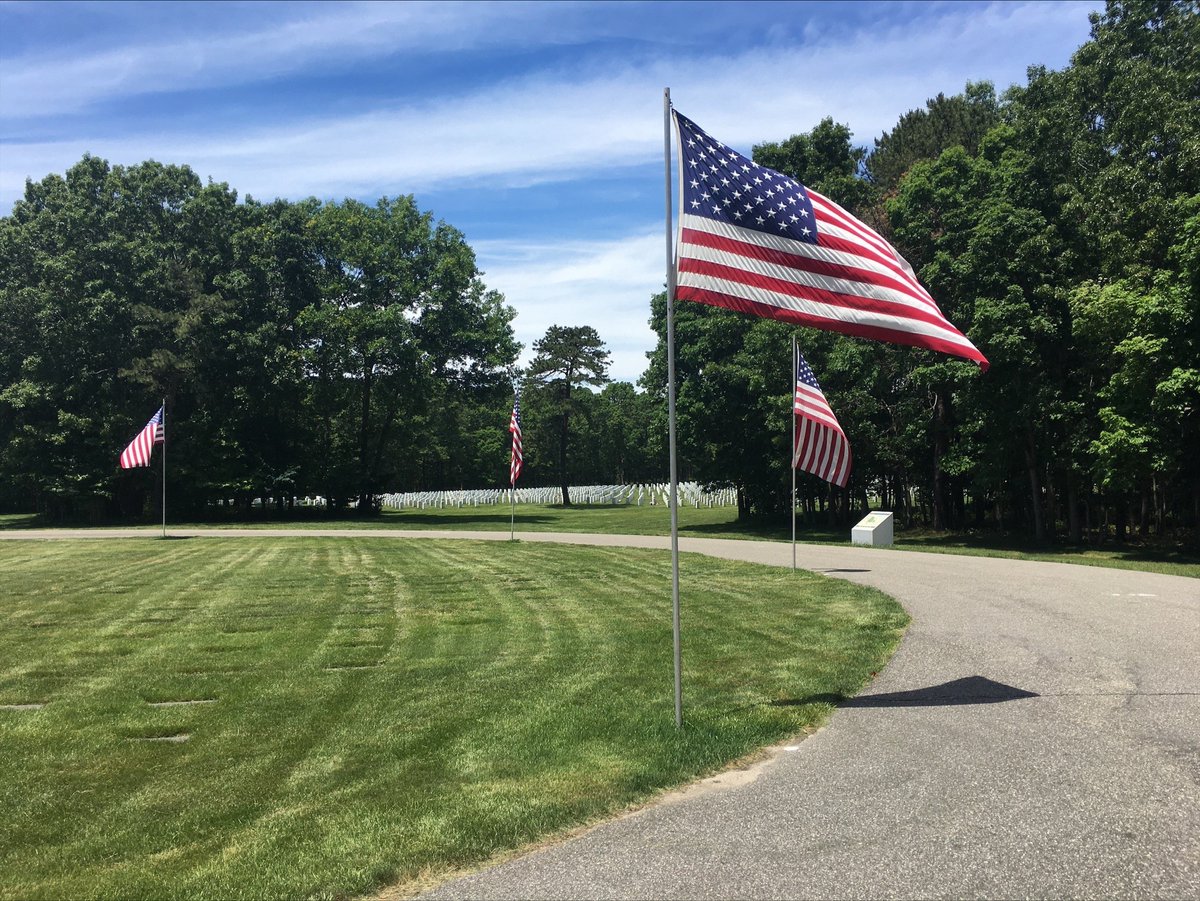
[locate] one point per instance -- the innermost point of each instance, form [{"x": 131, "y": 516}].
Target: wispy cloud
[
  {"x": 312, "y": 36},
  {"x": 561, "y": 124},
  {"x": 542, "y": 122},
  {"x": 604, "y": 284}
]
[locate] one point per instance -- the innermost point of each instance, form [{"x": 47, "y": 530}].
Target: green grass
[
  {"x": 715, "y": 522},
  {"x": 507, "y": 691},
  {"x": 18, "y": 520},
  {"x": 722, "y": 522}
]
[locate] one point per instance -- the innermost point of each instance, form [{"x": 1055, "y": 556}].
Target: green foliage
[
  {"x": 344, "y": 349},
  {"x": 565, "y": 359},
  {"x": 1058, "y": 225},
  {"x": 304, "y": 348},
  {"x": 922, "y": 134}
]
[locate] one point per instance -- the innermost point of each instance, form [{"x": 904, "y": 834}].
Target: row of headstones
[
  {"x": 690, "y": 494},
  {"x": 310, "y": 501}
]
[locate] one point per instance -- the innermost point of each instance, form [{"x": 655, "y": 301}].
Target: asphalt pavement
[{"x": 1037, "y": 735}]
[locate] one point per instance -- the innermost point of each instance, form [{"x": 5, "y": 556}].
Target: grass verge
[{"x": 374, "y": 710}]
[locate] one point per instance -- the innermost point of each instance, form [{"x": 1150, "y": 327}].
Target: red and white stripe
[
  {"x": 851, "y": 282},
  {"x": 819, "y": 446},
  {"x": 140, "y": 448},
  {"x": 518, "y": 457}
]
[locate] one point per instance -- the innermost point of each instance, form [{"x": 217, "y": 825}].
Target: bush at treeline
[{"x": 345, "y": 349}]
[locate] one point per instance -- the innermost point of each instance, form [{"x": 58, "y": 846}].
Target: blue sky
[{"x": 535, "y": 128}]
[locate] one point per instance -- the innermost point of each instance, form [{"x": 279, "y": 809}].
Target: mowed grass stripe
[{"x": 508, "y": 691}]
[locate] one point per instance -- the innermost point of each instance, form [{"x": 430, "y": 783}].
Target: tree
[
  {"x": 335, "y": 348},
  {"x": 567, "y": 357},
  {"x": 403, "y": 312},
  {"x": 922, "y": 134},
  {"x": 625, "y": 437},
  {"x": 99, "y": 273}
]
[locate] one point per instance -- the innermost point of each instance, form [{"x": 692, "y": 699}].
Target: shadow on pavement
[{"x": 969, "y": 690}]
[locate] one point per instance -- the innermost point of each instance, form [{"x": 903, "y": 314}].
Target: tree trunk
[
  {"x": 1074, "y": 526},
  {"x": 937, "y": 501},
  {"x": 1051, "y": 508},
  {"x": 1035, "y": 488},
  {"x": 363, "y": 436},
  {"x": 562, "y": 460}
]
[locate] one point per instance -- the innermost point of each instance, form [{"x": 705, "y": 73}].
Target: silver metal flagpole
[
  {"x": 671, "y": 413},
  {"x": 792, "y": 420},
  {"x": 512, "y": 522},
  {"x": 164, "y": 467}
]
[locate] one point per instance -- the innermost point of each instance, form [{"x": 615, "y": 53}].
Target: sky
[{"x": 534, "y": 128}]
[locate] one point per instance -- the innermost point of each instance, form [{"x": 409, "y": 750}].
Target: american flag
[
  {"x": 819, "y": 446},
  {"x": 138, "y": 452},
  {"x": 514, "y": 426},
  {"x": 756, "y": 241}
]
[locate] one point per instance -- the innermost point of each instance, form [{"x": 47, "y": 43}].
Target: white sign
[{"x": 875, "y": 530}]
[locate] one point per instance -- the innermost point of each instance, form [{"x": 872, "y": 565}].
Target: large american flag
[
  {"x": 756, "y": 241},
  {"x": 819, "y": 446},
  {"x": 140, "y": 448},
  {"x": 514, "y": 426}
]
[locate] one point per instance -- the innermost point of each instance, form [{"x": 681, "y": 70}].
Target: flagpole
[
  {"x": 512, "y": 522},
  {"x": 671, "y": 414},
  {"x": 164, "y": 469},
  {"x": 792, "y": 420}
]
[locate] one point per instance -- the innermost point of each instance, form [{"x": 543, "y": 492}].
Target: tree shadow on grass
[
  {"x": 19, "y": 521},
  {"x": 1159, "y": 550},
  {"x": 969, "y": 690}
]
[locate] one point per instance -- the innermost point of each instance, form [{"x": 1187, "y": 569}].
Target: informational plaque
[{"x": 875, "y": 530}]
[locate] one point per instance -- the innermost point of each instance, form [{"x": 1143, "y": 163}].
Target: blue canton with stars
[
  {"x": 805, "y": 374},
  {"x": 721, "y": 184}
]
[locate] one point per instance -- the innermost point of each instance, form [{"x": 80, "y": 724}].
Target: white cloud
[
  {"x": 552, "y": 126},
  {"x": 604, "y": 284},
  {"x": 340, "y": 35}
]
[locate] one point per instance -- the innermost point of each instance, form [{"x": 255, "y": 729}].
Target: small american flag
[
  {"x": 756, "y": 241},
  {"x": 819, "y": 446},
  {"x": 514, "y": 426},
  {"x": 140, "y": 448}
]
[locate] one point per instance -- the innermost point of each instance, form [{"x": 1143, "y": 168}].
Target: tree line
[
  {"x": 303, "y": 348},
  {"x": 1059, "y": 225},
  {"x": 346, "y": 349}
]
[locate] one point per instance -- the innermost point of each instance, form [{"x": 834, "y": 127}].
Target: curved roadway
[{"x": 1037, "y": 734}]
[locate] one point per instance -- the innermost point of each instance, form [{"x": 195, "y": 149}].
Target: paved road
[{"x": 1036, "y": 735}]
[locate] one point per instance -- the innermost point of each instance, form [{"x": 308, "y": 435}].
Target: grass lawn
[
  {"x": 710, "y": 522},
  {"x": 369, "y": 711}
]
